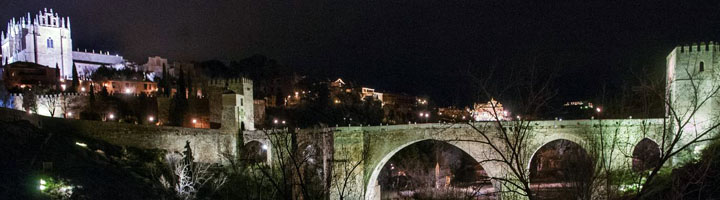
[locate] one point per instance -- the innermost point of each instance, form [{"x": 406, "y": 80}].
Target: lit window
[{"x": 49, "y": 43}]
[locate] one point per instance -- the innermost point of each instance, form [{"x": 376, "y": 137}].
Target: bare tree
[
  {"x": 70, "y": 103},
  {"x": 286, "y": 174},
  {"x": 509, "y": 141},
  {"x": 51, "y": 103},
  {"x": 688, "y": 124},
  {"x": 186, "y": 179},
  {"x": 346, "y": 171}
]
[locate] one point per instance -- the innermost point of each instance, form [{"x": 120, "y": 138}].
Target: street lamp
[
  {"x": 151, "y": 118},
  {"x": 111, "y": 116}
]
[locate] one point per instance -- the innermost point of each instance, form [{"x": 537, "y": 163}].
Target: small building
[
  {"x": 128, "y": 87},
  {"x": 453, "y": 114},
  {"x": 490, "y": 111},
  {"x": 27, "y": 74}
]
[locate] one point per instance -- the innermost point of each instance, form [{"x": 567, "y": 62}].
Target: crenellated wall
[{"x": 51, "y": 105}]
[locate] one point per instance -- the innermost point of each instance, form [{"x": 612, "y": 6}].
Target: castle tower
[
  {"x": 692, "y": 85},
  {"x": 44, "y": 39},
  {"x": 231, "y": 103}
]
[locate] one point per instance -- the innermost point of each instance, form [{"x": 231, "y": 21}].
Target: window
[
  {"x": 702, "y": 67},
  {"x": 49, "y": 43},
  {"x": 145, "y": 86}
]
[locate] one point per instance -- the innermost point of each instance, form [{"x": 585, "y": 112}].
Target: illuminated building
[
  {"x": 46, "y": 39},
  {"x": 25, "y": 74},
  {"x": 490, "y": 111}
]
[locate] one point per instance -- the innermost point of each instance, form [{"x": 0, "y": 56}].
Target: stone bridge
[
  {"x": 372, "y": 146},
  {"x": 380, "y": 143}
]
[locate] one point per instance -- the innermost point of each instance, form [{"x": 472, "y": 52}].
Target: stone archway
[
  {"x": 254, "y": 152},
  {"x": 646, "y": 155},
  {"x": 561, "y": 167},
  {"x": 372, "y": 190}
]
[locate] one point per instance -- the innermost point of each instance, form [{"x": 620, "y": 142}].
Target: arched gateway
[{"x": 380, "y": 143}]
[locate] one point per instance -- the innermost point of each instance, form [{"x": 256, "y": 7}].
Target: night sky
[{"x": 414, "y": 46}]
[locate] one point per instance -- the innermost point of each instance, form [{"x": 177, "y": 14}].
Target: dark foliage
[
  {"x": 179, "y": 105},
  {"x": 102, "y": 170},
  {"x": 75, "y": 79},
  {"x": 107, "y": 73}
]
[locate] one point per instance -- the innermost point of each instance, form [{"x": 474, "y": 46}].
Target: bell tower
[{"x": 44, "y": 39}]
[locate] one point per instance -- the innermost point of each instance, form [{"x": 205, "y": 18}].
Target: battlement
[
  {"x": 232, "y": 81},
  {"x": 47, "y": 96},
  {"x": 43, "y": 18},
  {"x": 92, "y": 51},
  {"x": 697, "y": 48}
]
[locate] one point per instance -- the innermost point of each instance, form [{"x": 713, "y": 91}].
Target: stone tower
[
  {"x": 231, "y": 103},
  {"x": 692, "y": 78},
  {"x": 44, "y": 39}
]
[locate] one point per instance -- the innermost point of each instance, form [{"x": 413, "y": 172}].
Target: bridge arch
[
  {"x": 645, "y": 155},
  {"x": 561, "y": 165},
  {"x": 372, "y": 186}
]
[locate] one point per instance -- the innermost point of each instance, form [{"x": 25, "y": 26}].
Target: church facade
[{"x": 46, "y": 39}]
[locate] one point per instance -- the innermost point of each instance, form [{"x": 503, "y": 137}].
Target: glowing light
[
  {"x": 81, "y": 144},
  {"x": 111, "y": 116},
  {"x": 127, "y": 90},
  {"x": 42, "y": 185},
  {"x": 275, "y": 121},
  {"x": 337, "y": 101},
  {"x": 283, "y": 122},
  {"x": 264, "y": 147},
  {"x": 151, "y": 118},
  {"x": 194, "y": 121},
  {"x": 63, "y": 86},
  {"x": 69, "y": 114},
  {"x": 82, "y": 89},
  {"x": 598, "y": 109}
]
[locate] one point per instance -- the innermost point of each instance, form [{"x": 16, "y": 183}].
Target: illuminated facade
[
  {"x": 490, "y": 111},
  {"x": 128, "y": 87},
  {"x": 25, "y": 74},
  {"x": 46, "y": 39},
  {"x": 692, "y": 82}
]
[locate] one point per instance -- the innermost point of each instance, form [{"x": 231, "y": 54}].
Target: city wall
[{"x": 208, "y": 145}]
